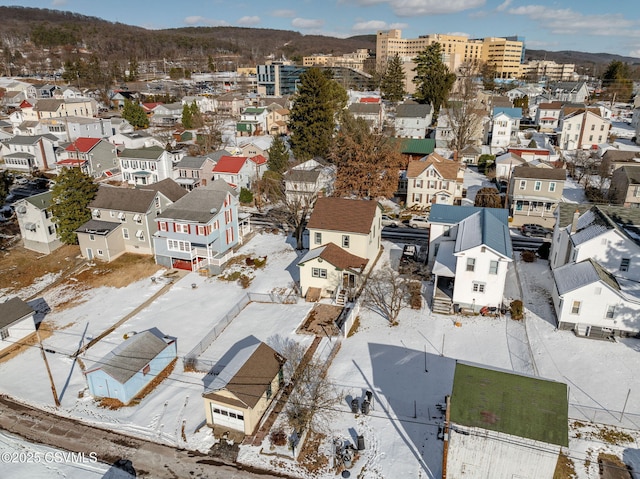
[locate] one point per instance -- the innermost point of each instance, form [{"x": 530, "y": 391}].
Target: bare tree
[
  {"x": 313, "y": 396},
  {"x": 464, "y": 110},
  {"x": 386, "y": 293}
]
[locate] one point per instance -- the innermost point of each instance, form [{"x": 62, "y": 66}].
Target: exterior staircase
[
  {"x": 442, "y": 305},
  {"x": 341, "y": 298}
]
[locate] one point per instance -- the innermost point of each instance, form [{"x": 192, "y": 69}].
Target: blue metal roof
[
  {"x": 511, "y": 112},
  {"x": 449, "y": 214}
]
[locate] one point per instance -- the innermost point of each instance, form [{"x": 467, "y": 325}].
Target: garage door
[{"x": 224, "y": 416}]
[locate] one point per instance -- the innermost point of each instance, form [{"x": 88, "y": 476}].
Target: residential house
[
  {"x": 54, "y": 108},
  {"x": 96, "y": 157},
  {"x": 470, "y": 249},
  {"x": 447, "y": 120},
  {"x": 119, "y": 97},
  {"x": 73, "y": 127},
  {"x": 582, "y": 128},
  {"x": 534, "y": 155},
  {"x": 206, "y": 104},
  {"x": 145, "y": 166},
  {"x": 198, "y": 232},
  {"x": 37, "y": 229},
  {"x": 237, "y": 397},
  {"x": 614, "y": 158},
  {"x": 231, "y": 103},
  {"x": 13, "y": 98},
  {"x": 625, "y": 186},
  {"x": 46, "y": 91},
  {"x": 592, "y": 302},
  {"x": 29, "y": 153},
  {"x": 607, "y": 234},
  {"x": 548, "y": 116},
  {"x": 257, "y": 146},
  {"x": 131, "y": 366},
  {"x": 16, "y": 323},
  {"x": 434, "y": 180},
  {"x": 534, "y": 194},
  {"x": 344, "y": 241},
  {"x": 134, "y": 140},
  {"x": 277, "y": 120},
  {"x": 253, "y": 122},
  {"x": 412, "y": 148},
  {"x": 123, "y": 219},
  {"x": 372, "y": 113},
  {"x": 308, "y": 180},
  {"x": 240, "y": 171},
  {"x": 503, "y": 127},
  {"x": 470, "y": 155},
  {"x": 194, "y": 171},
  {"x": 412, "y": 120},
  {"x": 505, "y": 163},
  {"x": 573, "y": 92},
  {"x": 167, "y": 114},
  {"x": 504, "y": 425}
]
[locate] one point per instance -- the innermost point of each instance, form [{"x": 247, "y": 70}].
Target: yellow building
[
  {"x": 504, "y": 54},
  {"x": 353, "y": 60}
]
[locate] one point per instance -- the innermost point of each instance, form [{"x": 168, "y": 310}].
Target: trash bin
[
  {"x": 361, "y": 443},
  {"x": 355, "y": 405},
  {"x": 366, "y": 406}
]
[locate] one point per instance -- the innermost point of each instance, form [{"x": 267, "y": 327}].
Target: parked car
[
  {"x": 419, "y": 222},
  {"x": 536, "y": 231},
  {"x": 389, "y": 221}
]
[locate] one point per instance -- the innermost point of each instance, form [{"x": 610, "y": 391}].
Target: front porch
[{"x": 444, "y": 274}]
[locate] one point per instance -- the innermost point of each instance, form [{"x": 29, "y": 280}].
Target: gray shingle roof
[
  {"x": 412, "y": 110},
  {"x": 98, "y": 227},
  {"x": 193, "y": 162},
  {"x": 136, "y": 200},
  {"x": 572, "y": 276},
  {"x": 365, "y": 108},
  {"x": 132, "y": 355},
  {"x": 41, "y": 201},
  {"x": 148, "y": 153},
  {"x": 603, "y": 218},
  {"x": 13, "y": 310},
  {"x": 557, "y": 174},
  {"x": 198, "y": 204}
]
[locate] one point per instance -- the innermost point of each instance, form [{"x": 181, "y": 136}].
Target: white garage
[{"x": 223, "y": 416}]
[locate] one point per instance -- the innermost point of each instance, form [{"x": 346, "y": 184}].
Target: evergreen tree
[
  {"x": 433, "y": 79},
  {"x": 187, "y": 117},
  {"x": 71, "y": 195},
  {"x": 278, "y": 156},
  {"x": 392, "y": 84},
  {"x": 5, "y": 183},
  {"x": 245, "y": 196},
  {"x": 197, "y": 120},
  {"x": 368, "y": 163},
  {"x": 134, "y": 114},
  {"x": 616, "y": 81},
  {"x": 313, "y": 115}
]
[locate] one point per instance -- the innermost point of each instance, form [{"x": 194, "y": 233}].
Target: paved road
[{"x": 149, "y": 459}]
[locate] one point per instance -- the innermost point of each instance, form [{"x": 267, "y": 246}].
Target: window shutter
[{"x": 174, "y": 227}]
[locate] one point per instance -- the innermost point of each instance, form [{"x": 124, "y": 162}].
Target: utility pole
[{"x": 46, "y": 363}]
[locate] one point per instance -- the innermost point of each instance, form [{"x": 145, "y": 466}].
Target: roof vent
[{"x": 213, "y": 211}]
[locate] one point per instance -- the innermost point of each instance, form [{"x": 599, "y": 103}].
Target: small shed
[
  {"x": 238, "y": 397},
  {"x": 16, "y": 322},
  {"x": 131, "y": 366}
]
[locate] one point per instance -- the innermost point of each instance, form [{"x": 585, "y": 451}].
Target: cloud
[
  {"x": 412, "y": 8},
  {"x": 375, "y": 25},
  {"x": 307, "y": 23},
  {"x": 458, "y": 34},
  {"x": 249, "y": 21},
  {"x": 283, "y": 13},
  {"x": 209, "y": 22},
  {"x": 59, "y": 3},
  {"x": 568, "y": 22},
  {"x": 503, "y": 6}
]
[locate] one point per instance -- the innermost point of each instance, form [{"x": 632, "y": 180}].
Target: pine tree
[
  {"x": 187, "y": 117},
  {"x": 616, "y": 82},
  {"x": 392, "y": 84},
  {"x": 134, "y": 114},
  {"x": 433, "y": 79},
  {"x": 278, "y": 156},
  {"x": 368, "y": 163},
  {"x": 71, "y": 195},
  {"x": 313, "y": 115}
]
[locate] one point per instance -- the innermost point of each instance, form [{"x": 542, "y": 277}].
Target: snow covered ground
[{"x": 408, "y": 368}]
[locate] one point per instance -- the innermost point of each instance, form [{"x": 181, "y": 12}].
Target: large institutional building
[{"x": 504, "y": 54}]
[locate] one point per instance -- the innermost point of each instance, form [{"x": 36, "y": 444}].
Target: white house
[
  {"x": 504, "y": 126},
  {"x": 306, "y": 181},
  {"x": 144, "y": 166},
  {"x": 470, "y": 249},
  {"x": 506, "y": 163},
  {"x": 344, "y": 240},
  {"x": 548, "y": 116},
  {"x": 16, "y": 322},
  {"x": 412, "y": 120},
  {"x": 593, "y": 302},
  {"x": 28, "y": 153},
  {"x": 37, "y": 228},
  {"x": 582, "y": 128}
]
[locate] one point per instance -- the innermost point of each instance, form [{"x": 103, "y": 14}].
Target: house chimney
[{"x": 574, "y": 221}]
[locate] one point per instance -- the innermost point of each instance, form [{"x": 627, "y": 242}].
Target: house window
[
  {"x": 575, "y": 307},
  {"x": 447, "y": 231},
  {"x": 122, "y": 217},
  {"x": 100, "y": 252},
  {"x": 202, "y": 230},
  {"x": 51, "y": 229},
  {"x": 163, "y": 226},
  {"x": 593, "y": 127},
  {"x": 146, "y": 370},
  {"x": 471, "y": 264},
  {"x": 92, "y": 238},
  {"x": 345, "y": 241},
  {"x": 417, "y": 183},
  {"x": 140, "y": 235},
  {"x": 601, "y": 127},
  {"x": 182, "y": 228},
  {"x": 138, "y": 218},
  {"x": 125, "y": 233},
  {"x": 417, "y": 198},
  {"x": 318, "y": 238},
  {"x": 176, "y": 245},
  {"x": 523, "y": 184},
  {"x": 624, "y": 264},
  {"x": 4, "y": 333},
  {"x": 537, "y": 185},
  {"x": 611, "y": 312},
  {"x": 478, "y": 287},
  {"x": 493, "y": 267},
  {"x": 552, "y": 186},
  {"x": 569, "y": 126},
  {"x": 319, "y": 273},
  {"x": 157, "y": 202},
  {"x": 590, "y": 137}
]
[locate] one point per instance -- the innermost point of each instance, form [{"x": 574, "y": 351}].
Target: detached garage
[{"x": 237, "y": 398}]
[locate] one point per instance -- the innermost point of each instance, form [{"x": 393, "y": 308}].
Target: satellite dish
[{"x": 213, "y": 211}]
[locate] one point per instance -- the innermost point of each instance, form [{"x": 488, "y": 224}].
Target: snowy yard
[{"x": 408, "y": 368}]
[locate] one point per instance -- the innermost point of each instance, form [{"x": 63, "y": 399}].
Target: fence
[
  {"x": 628, "y": 420},
  {"x": 347, "y": 318},
  {"x": 191, "y": 361}
]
